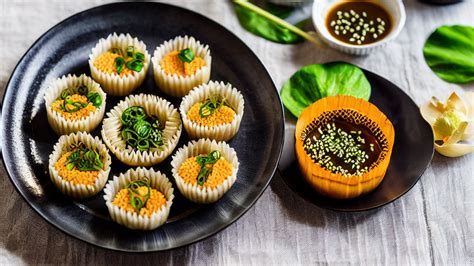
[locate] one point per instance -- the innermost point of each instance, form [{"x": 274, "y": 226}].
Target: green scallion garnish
[
  {"x": 210, "y": 106},
  {"x": 186, "y": 55},
  {"x": 137, "y": 199},
  {"x": 72, "y": 106},
  {"x": 206, "y": 162},
  {"x": 131, "y": 60},
  {"x": 84, "y": 159},
  {"x": 141, "y": 131}
]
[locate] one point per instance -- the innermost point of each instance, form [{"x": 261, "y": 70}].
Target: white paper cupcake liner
[
  {"x": 63, "y": 126},
  {"x": 79, "y": 190},
  {"x": 200, "y": 194},
  {"x": 115, "y": 84},
  {"x": 222, "y": 132},
  {"x": 153, "y": 105},
  {"x": 175, "y": 85},
  {"x": 131, "y": 220}
]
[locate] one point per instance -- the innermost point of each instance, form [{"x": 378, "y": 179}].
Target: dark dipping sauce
[
  {"x": 358, "y": 22},
  {"x": 373, "y": 151}
]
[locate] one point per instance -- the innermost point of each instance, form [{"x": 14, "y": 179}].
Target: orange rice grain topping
[
  {"x": 189, "y": 171},
  {"x": 223, "y": 115},
  {"x": 74, "y": 176},
  {"x": 106, "y": 63},
  {"x": 154, "y": 203},
  {"x": 81, "y": 113},
  {"x": 171, "y": 64}
]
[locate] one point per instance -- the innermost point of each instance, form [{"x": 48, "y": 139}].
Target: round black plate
[
  {"x": 412, "y": 152},
  {"x": 28, "y": 139}
]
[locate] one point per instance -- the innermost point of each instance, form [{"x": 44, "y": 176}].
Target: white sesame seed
[
  {"x": 333, "y": 23},
  {"x": 352, "y": 40},
  {"x": 359, "y": 42},
  {"x": 364, "y": 14},
  {"x": 375, "y": 36}
]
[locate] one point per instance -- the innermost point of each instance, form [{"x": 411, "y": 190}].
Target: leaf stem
[{"x": 246, "y": 4}]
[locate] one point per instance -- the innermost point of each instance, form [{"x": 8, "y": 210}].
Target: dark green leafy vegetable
[
  {"x": 140, "y": 131},
  {"x": 265, "y": 28},
  {"x": 84, "y": 159},
  {"x": 186, "y": 55},
  {"x": 279, "y": 11},
  {"x": 269, "y": 26},
  {"x": 206, "y": 162},
  {"x": 317, "y": 81},
  {"x": 449, "y": 52},
  {"x": 138, "y": 200}
]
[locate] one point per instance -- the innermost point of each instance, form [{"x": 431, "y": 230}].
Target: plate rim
[
  {"x": 374, "y": 207},
  {"x": 213, "y": 232}
]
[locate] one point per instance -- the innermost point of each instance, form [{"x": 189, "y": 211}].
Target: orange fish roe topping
[
  {"x": 189, "y": 171},
  {"x": 106, "y": 63},
  {"x": 74, "y": 176},
  {"x": 171, "y": 64},
  {"x": 81, "y": 113},
  {"x": 154, "y": 203},
  {"x": 223, "y": 115}
]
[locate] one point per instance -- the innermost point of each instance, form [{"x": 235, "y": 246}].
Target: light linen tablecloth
[{"x": 433, "y": 223}]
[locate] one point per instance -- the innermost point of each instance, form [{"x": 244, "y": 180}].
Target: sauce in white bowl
[{"x": 384, "y": 27}]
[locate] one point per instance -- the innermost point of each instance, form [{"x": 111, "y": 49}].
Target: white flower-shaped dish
[
  {"x": 115, "y": 84},
  {"x": 158, "y": 181},
  {"x": 221, "y": 132},
  {"x": 61, "y": 125},
  {"x": 154, "y": 106},
  {"x": 79, "y": 190},
  {"x": 175, "y": 85},
  {"x": 195, "y": 192}
]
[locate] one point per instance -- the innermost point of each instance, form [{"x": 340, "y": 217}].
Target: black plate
[
  {"x": 28, "y": 139},
  {"x": 411, "y": 155}
]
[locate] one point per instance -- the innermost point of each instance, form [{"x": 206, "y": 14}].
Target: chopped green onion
[
  {"x": 138, "y": 200},
  {"x": 139, "y": 130},
  {"x": 84, "y": 159},
  {"x": 135, "y": 65},
  {"x": 119, "y": 62},
  {"x": 210, "y": 106},
  {"x": 206, "y": 163},
  {"x": 95, "y": 99},
  {"x": 186, "y": 55}
]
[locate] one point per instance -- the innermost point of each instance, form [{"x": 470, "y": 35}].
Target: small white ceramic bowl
[{"x": 395, "y": 8}]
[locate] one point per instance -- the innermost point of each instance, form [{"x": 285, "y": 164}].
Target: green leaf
[
  {"x": 280, "y": 11},
  {"x": 317, "y": 81},
  {"x": 264, "y": 27},
  {"x": 449, "y": 52}
]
